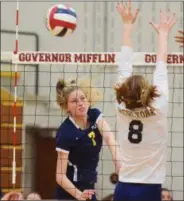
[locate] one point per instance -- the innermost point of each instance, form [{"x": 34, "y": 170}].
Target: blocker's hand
[{"x": 128, "y": 16}]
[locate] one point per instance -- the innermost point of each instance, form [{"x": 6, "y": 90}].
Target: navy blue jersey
[{"x": 83, "y": 146}]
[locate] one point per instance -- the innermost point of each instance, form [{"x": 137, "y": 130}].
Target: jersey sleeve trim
[
  {"x": 99, "y": 117},
  {"x": 74, "y": 122},
  {"x": 61, "y": 150}
]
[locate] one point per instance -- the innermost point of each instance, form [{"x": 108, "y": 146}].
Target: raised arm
[
  {"x": 163, "y": 29},
  {"x": 128, "y": 17}
]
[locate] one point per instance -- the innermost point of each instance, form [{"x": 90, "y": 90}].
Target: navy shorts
[
  {"x": 137, "y": 192},
  {"x": 61, "y": 194}
]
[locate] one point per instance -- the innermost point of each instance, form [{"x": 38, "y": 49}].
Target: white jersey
[{"x": 142, "y": 133}]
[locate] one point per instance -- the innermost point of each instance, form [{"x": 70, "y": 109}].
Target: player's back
[{"x": 143, "y": 140}]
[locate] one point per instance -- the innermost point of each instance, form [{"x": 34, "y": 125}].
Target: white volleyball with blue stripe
[{"x": 61, "y": 20}]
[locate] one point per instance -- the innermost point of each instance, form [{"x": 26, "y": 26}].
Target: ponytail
[{"x": 63, "y": 89}]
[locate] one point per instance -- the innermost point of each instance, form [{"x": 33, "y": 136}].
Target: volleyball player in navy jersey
[
  {"x": 142, "y": 115},
  {"x": 79, "y": 142}
]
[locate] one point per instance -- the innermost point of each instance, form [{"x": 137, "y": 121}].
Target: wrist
[
  {"x": 128, "y": 27},
  {"x": 164, "y": 34},
  {"x": 78, "y": 195}
]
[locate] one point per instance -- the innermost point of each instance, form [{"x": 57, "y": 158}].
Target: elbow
[
  {"x": 109, "y": 139},
  {"x": 60, "y": 178}
]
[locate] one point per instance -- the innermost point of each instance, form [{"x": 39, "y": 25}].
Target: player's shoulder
[
  {"x": 160, "y": 103},
  {"x": 93, "y": 113},
  {"x": 65, "y": 128},
  {"x": 65, "y": 124}
]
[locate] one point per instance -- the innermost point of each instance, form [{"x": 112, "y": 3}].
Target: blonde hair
[
  {"x": 65, "y": 88},
  {"x": 136, "y": 92}
]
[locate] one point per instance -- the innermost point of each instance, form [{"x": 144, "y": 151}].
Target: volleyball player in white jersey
[{"x": 142, "y": 115}]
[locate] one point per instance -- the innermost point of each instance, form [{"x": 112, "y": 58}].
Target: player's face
[
  {"x": 166, "y": 195},
  {"x": 77, "y": 104}
]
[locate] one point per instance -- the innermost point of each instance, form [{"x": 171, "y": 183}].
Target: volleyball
[{"x": 61, "y": 20}]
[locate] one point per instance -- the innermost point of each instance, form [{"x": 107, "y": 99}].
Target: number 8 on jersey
[{"x": 135, "y": 131}]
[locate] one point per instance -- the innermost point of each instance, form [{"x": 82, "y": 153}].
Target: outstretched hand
[
  {"x": 87, "y": 194},
  {"x": 165, "y": 24},
  {"x": 126, "y": 13},
  {"x": 180, "y": 38}
]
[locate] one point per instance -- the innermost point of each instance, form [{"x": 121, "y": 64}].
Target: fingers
[
  {"x": 90, "y": 192},
  {"x": 125, "y": 10},
  {"x": 181, "y": 32},
  {"x": 180, "y": 40},
  {"x": 155, "y": 26},
  {"x": 118, "y": 7},
  {"x": 163, "y": 16},
  {"x": 129, "y": 5},
  {"x": 121, "y": 7},
  {"x": 179, "y": 37},
  {"x": 172, "y": 20},
  {"x": 87, "y": 194},
  {"x": 166, "y": 22},
  {"x": 136, "y": 14}
]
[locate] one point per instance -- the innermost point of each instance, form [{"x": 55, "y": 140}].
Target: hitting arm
[
  {"x": 65, "y": 183},
  {"x": 109, "y": 139}
]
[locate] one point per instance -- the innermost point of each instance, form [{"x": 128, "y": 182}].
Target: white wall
[{"x": 99, "y": 29}]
